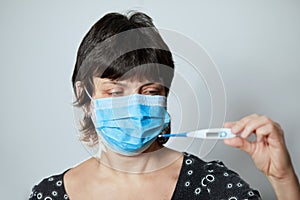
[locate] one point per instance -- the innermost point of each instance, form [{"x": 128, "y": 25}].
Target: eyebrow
[
  {"x": 152, "y": 83},
  {"x": 124, "y": 84},
  {"x": 113, "y": 82}
]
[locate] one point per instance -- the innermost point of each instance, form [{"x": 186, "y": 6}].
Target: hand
[{"x": 268, "y": 151}]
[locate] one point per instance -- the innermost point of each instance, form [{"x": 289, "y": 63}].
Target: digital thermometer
[{"x": 214, "y": 133}]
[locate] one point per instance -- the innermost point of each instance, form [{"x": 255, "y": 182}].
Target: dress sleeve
[
  {"x": 224, "y": 183},
  {"x": 51, "y": 188}
]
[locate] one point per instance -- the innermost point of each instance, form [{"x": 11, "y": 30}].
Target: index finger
[
  {"x": 229, "y": 124},
  {"x": 240, "y": 125}
]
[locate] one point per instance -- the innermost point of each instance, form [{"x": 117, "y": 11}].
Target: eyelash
[
  {"x": 152, "y": 92},
  {"x": 115, "y": 92},
  {"x": 146, "y": 91}
]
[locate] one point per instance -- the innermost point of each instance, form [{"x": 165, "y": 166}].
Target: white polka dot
[
  {"x": 220, "y": 165},
  {"x": 187, "y": 184},
  {"x": 31, "y": 195},
  {"x": 210, "y": 171},
  {"x": 188, "y": 161},
  {"x": 50, "y": 179},
  {"x": 48, "y": 198},
  {"x": 208, "y": 190},
  {"x": 226, "y": 174},
  {"x": 198, "y": 191},
  {"x": 202, "y": 183},
  {"x": 229, "y": 185},
  {"x": 54, "y": 193},
  {"x": 39, "y": 196},
  {"x": 232, "y": 198},
  {"x": 190, "y": 172},
  {"x": 66, "y": 196},
  {"x": 210, "y": 178},
  {"x": 59, "y": 183},
  {"x": 250, "y": 193},
  {"x": 239, "y": 184}
]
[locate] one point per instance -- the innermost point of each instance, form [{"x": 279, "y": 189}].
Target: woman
[{"x": 121, "y": 80}]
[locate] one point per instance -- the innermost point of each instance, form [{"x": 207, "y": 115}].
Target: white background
[{"x": 255, "y": 44}]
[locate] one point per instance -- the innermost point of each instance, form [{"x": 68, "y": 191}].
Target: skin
[
  {"x": 115, "y": 176},
  {"x": 93, "y": 179},
  {"x": 268, "y": 152},
  {"x": 105, "y": 88}
]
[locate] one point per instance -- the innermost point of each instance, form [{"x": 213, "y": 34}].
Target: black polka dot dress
[
  {"x": 51, "y": 188},
  {"x": 197, "y": 180},
  {"x": 210, "y": 180}
]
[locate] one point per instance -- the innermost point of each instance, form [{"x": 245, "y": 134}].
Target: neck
[{"x": 148, "y": 161}]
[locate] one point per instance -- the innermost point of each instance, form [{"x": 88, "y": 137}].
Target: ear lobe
[{"x": 79, "y": 88}]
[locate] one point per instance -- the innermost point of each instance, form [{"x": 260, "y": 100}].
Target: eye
[
  {"x": 116, "y": 92},
  {"x": 153, "y": 90}
]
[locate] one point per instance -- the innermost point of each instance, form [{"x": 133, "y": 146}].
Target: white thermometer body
[{"x": 214, "y": 133}]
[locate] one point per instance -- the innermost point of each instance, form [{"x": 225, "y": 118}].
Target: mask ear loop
[
  {"x": 87, "y": 93},
  {"x": 93, "y": 117}
]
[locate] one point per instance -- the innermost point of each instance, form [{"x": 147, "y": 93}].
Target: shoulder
[
  {"x": 213, "y": 179},
  {"x": 50, "y": 188},
  {"x": 53, "y": 187}
]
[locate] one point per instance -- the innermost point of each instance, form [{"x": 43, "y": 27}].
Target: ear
[{"x": 79, "y": 88}]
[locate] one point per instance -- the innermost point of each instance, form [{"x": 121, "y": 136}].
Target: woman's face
[{"x": 105, "y": 88}]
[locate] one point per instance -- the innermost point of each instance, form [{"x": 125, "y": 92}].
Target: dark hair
[{"x": 119, "y": 47}]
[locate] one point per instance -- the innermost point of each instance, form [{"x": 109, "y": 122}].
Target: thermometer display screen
[{"x": 212, "y": 134}]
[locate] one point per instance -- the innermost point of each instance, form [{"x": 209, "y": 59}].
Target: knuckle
[
  {"x": 245, "y": 120},
  {"x": 255, "y": 115},
  {"x": 272, "y": 128},
  {"x": 239, "y": 123},
  {"x": 242, "y": 121},
  {"x": 266, "y": 119}
]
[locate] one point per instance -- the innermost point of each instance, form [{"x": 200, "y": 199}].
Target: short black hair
[{"x": 114, "y": 46}]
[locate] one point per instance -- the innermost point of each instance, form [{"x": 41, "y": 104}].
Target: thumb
[{"x": 240, "y": 143}]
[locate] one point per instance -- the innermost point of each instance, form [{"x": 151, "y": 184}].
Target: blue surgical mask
[{"x": 129, "y": 125}]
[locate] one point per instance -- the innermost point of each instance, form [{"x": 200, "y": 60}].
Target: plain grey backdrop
[{"x": 255, "y": 45}]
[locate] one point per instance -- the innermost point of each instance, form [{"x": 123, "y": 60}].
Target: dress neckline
[{"x": 176, "y": 186}]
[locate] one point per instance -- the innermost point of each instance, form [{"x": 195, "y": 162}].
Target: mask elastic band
[
  {"x": 88, "y": 93},
  {"x": 101, "y": 145}
]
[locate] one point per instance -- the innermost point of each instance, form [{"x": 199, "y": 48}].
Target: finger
[
  {"x": 269, "y": 130},
  {"x": 254, "y": 124},
  {"x": 240, "y": 143},
  {"x": 259, "y": 138},
  {"x": 229, "y": 124},
  {"x": 240, "y": 125}
]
